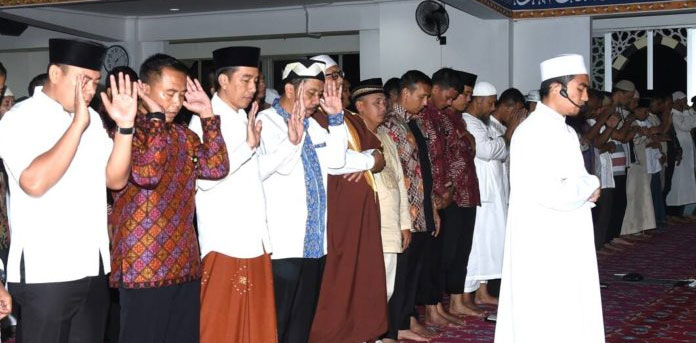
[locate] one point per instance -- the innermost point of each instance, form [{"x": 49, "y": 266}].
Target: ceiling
[{"x": 163, "y": 7}]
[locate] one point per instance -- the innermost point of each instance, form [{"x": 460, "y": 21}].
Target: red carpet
[
  {"x": 642, "y": 312},
  {"x": 654, "y": 312}
]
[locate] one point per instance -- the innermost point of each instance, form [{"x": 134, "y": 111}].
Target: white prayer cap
[
  {"x": 8, "y": 92},
  {"x": 678, "y": 95},
  {"x": 533, "y": 96},
  {"x": 625, "y": 85},
  {"x": 271, "y": 95},
  {"x": 328, "y": 61},
  {"x": 484, "y": 89},
  {"x": 570, "y": 64},
  {"x": 303, "y": 69}
]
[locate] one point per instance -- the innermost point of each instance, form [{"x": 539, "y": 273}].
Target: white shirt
[
  {"x": 281, "y": 168},
  {"x": 231, "y": 212},
  {"x": 603, "y": 169},
  {"x": 490, "y": 149},
  {"x": 62, "y": 232},
  {"x": 652, "y": 155}
]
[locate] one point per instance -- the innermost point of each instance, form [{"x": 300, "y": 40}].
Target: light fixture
[{"x": 173, "y": 10}]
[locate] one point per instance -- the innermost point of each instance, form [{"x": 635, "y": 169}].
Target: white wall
[
  {"x": 537, "y": 40},
  {"x": 22, "y": 67},
  {"x": 270, "y": 47},
  {"x": 475, "y": 45}
]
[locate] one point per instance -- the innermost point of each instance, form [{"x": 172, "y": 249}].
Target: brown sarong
[{"x": 237, "y": 301}]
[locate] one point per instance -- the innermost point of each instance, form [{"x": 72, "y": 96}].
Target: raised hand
[
  {"x": 297, "y": 117},
  {"x": 150, "y": 105},
  {"x": 253, "y": 127},
  {"x": 81, "y": 117},
  {"x": 613, "y": 121},
  {"x": 124, "y": 101},
  {"x": 197, "y": 100},
  {"x": 331, "y": 101}
]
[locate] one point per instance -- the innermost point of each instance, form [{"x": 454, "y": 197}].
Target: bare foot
[
  {"x": 622, "y": 241},
  {"x": 421, "y": 330},
  {"x": 466, "y": 310},
  {"x": 604, "y": 253},
  {"x": 483, "y": 298},
  {"x": 411, "y": 336},
  {"x": 434, "y": 318},
  {"x": 389, "y": 340},
  {"x": 451, "y": 318},
  {"x": 614, "y": 247}
]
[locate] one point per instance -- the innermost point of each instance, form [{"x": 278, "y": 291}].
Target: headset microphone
[{"x": 564, "y": 93}]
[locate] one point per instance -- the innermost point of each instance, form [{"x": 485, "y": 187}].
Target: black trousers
[
  {"x": 457, "y": 238},
  {"x": 408, "y": 269},
  {"x": 297, "y": 282},
  {"x": 163, "y": 314},
  {"x": 618, "y": 208},
  {"x": 429, "y": 289},
  {"x": 61, "y": 312},
  {"x": 602, "y": 216}
]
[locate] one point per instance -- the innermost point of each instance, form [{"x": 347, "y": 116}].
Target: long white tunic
[
  {"x": 683, "y": 190},
  {"x": 550, "y": 285},
  {"x": 640, "y": 213},
  {"x": 486, "y": 257},
  {"x": 231, "y": 212}
]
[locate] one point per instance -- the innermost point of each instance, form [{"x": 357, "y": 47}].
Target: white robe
[
  {"x": 550, "y": 284},
  {"x": 486, "y": 257},
  {"x": 640, "y": 213},
  {"x": 683, "y": 190}
]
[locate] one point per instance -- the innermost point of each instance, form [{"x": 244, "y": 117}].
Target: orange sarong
[{"x": 237, "y": 300}]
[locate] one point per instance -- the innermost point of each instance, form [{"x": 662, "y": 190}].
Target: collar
[
  {"x": 400, "y": 112},
  {"x": 47, "y": 101},
  {"x": 548, "y": 112},
  {"x": 222, "y": 108}
]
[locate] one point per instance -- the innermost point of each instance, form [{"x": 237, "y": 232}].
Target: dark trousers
[
  {"x": 429, "y": 290},
  {"x": 163, "y": 314},
  {"x": 618, "y": 208},
  {"x": 297, "y": 282},
  {"x": 658, "y": 200},
  {"x": 457, "y": 238},
  {"x": 408, "y": 269},
  {"x": 61, "y": 312},
  {"x": 602, "y": 216}
]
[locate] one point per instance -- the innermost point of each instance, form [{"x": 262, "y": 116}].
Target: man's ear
[
  {"x": 289, "y": 91},
  {"x": 359, "y": 105},
  {"x": 146, "y": 88},
  {"x": 223, "y": 80},
  {"x": 54, "y": 73}
]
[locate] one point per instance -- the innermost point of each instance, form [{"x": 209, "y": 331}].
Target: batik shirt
[
  {"x": 396, "y": 127},
  {"x": 459, "y": 159},
  {"x": 154, "y": 241},
  {"x": 437, "y": 147}
]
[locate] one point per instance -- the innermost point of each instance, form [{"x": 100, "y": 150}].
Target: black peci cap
[
  {"x": 78, "y": 53},
  {"x": 236, "y": 56}
]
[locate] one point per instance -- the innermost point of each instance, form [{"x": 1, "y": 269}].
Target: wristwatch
[{"x": 125, "y": 130}]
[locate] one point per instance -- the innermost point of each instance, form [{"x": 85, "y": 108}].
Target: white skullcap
[
  {"x": 484, "y": 89},
  {"x": 625, "y": 85},
  {"x": 571, "y": 64},
  {"x": 678, "y": 95},
  {"x": 8, "y": 92},
  {"x": 328, "y": 61},
  {"x": 533, "y": 96},
  {"x": 636, "y": 95}
]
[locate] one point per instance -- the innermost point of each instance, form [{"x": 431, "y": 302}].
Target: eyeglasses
[{"x": 337, "y": 74}]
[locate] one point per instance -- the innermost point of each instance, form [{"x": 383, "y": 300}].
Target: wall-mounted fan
[{"x": 433, "y": 19}]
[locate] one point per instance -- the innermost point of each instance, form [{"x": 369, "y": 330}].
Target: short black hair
[
  {"x": 153, "y": 66},
  {"x": 121, "y": 69},
  {"x": 511, "y": 95},
  {"x": 545, "y": 87},
  {"x": 412, "y": 78},
  {"x": 38, "y": 80},
  {"x": 3, "y": 71},
  {"x": 448, "y": 78},
  {"x": 595, "y": 94},
  {"x": 392, "y": 85}
]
